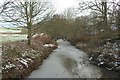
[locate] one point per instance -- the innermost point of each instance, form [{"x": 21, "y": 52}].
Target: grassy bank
[
  {"x": 103, "y": 49},
  {"x": 20, "y": 59}
]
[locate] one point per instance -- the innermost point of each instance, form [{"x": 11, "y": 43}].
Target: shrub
[{"x": 44, "y": 39}]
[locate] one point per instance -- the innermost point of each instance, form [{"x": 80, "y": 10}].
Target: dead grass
[{"x": 34, "y": 54}]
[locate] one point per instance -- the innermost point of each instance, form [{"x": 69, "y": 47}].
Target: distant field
[
  {"x": 12, "y": 37},
  {"x": 10, "y": 30}
]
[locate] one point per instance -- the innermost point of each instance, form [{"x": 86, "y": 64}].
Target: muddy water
[{"x": 66, "y": 62}]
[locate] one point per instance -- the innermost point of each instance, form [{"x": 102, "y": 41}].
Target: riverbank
[
  {"x": 103, "y": 53},
  {"x": 20, "y": 59}
]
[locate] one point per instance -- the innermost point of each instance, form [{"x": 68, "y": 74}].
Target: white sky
[{"x": 60, "y": 5}]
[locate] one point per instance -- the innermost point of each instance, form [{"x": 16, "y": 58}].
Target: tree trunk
[
  {"x": 118, "y": 19},
  {"x": 29, "y": 34},
  {"x": 104, "y": 14}
]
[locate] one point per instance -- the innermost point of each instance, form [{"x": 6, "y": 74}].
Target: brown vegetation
[{"x": 20, "y": 59}]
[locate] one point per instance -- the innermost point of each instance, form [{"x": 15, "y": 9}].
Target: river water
[{"x": 66, "y": 62}]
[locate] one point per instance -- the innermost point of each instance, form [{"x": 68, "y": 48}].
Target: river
[{"x": 66, "y": 62}]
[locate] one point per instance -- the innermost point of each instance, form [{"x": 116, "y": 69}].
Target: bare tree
[
  {"x": 27, "y": 13},
  {"x": 3, "y": 6},
  {"x": 118, "y": 15},
  {"x": 101, "y": 7},
  {"x": 104, "y": 11},
  {"x": 118, "y": 18},
  {"x": 70, "y": 13}
]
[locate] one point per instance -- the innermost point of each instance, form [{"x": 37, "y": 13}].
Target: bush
[{"x": 44, "y": 39}]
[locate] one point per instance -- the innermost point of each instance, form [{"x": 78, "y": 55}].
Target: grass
[{"x": 9, "y": 28}]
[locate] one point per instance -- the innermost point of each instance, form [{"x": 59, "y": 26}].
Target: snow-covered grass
[
  {"x": 10, "y": 30},
  {"x": 20, "y": 58},
  {"x": 12, "y": 37}
]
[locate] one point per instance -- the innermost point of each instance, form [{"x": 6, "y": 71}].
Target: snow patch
[
  {"x": 42, "y": 34},
  {"x": 34, "y": 35},
  {"x": 48, "y": 45},
  {"x": 9, "y": 66},
  {"x": 23, "y": 61}
]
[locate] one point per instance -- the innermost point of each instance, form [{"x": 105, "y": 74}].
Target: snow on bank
[
  {"x": 107, "y": 55},
  {"x": 48, "y": 45},
  {"x": 55, "y": 65},
  {"x": 24, "y": 62},
  {"x": 8, "y": 66}
]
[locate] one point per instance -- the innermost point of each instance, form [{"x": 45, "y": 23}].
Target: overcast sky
[{"x": 60, "y": 5}]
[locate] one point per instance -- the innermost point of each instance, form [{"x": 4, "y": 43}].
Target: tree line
[{"x": 104, "y": 16}]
